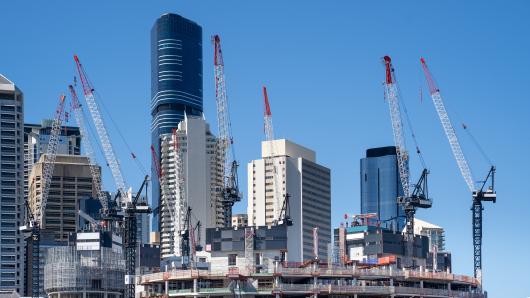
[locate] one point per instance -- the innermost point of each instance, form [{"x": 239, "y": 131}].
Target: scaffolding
[{"x": 77, "y": 272}]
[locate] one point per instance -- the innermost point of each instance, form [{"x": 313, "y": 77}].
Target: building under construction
[
  {"x": 303, "y": 280},
  {"x": 73, "y": 272}
]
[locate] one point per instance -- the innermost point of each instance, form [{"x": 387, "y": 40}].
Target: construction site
[{"x": 286, "y": 247}]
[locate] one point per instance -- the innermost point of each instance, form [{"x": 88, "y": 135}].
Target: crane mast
[
  {"x": 132, "y": 209},
  {"x": 230, "y": 193},
  {"x": 166, "y": 193},
  {"x": 89, "y": 151},
  {"x": 479, "y": 194},
  {"x": 34, "y": 220},
  {"x": 269, "y": 138},
  {"x": 108, "y": 150},
  {"x": 49, "y": 158},
  {"x": 416, "y": 196}
]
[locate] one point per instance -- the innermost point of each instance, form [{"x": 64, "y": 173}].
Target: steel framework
[
  {"x": 417, "y": 196},
  {"x": 230, "y": 192},
  {"x": 479, "y": 195},
  {"x": 89, "y": 151},
  {"x": 108, "y": 150}
]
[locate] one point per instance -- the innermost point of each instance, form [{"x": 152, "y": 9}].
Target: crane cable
[
  {"x": 409, "y": 122},
  {"x": 137, "y": 161},
  {"x": 475, "y": 142}
]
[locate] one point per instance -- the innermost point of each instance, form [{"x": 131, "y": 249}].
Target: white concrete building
[
  {"x": 202, "y": 182},
  {"x": 309, "y": 187},
  {"x": 12, "y": 190}
]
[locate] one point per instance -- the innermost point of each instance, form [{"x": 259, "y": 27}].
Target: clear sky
[{"x": 321, "y": 64}]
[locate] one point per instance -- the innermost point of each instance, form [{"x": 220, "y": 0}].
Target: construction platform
[{"x": 313, "y": 280}]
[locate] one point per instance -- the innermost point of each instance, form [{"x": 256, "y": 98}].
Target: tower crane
[
  {"x": 34, "y": 220},
  {"x": 108, "y": 150},
  {"x": 230, "y": 192},
  {"x": 417, "y": 197},
  {"x": 166, "y": 194},
  {"x": 479, "y": 194},
  {"x": 89, "y": 151},
  {"x": 190, "y": 244},
  {"x": 132, "y": 209},
  {"x": 282, "y": 213}
]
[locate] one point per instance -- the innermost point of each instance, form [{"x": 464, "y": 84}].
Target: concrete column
[
  {"x": 421, "y": 284},
  {"x": 449, "y": 286},
  {"x": 391, "y": 282},
  {"x": 194, "y": 285},
  {"x": 166, "y": 285}
]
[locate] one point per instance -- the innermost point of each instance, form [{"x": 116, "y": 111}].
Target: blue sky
[{"x": 321, "y": 64}]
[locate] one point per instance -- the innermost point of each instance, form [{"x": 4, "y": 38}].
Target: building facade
[
  {"x": 176, "y": 83},
  {"x": 71, "y": 181},
  {"x": 198, "y": 187},
  {"x": 36, "y": 140},
  {"x": 288, "y": 168},
  {"x": 239, "y": 220},
  {"x": 381, "y": 186},
  {"x": 373, "y": 245},
  {"x": 439, "y": 259},
  {"x": 12, "y": 186}
]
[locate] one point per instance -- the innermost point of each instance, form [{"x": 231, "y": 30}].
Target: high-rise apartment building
[
  {"x": 381, "y": 186},
  {"x": 200, "y": 182},
  {"x": 36, "y": 140},
  {"x": 12, "y": 185},
  {"x": 71, "y": 181},
  {"x": 309, "y": 187},
  {"x": 176, "y": 82}
]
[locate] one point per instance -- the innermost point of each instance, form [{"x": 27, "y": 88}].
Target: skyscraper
[
  {"x": 309, "y": 187},
  {"x": 380, "y": 187},
  {"x": 12, "y": 190},
  {"x": 71, "y": 181},
  {"x": 176, "y": 83},
  {"x": 200, "y": 182},
  {"x": 36, "y": 140}
]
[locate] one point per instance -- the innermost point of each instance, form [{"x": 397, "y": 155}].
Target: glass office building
[
  {"x": 176, "y": 82},
  {"x": 380, "y": 187}
]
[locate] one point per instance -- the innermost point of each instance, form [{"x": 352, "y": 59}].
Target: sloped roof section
[{"x": 6, "y": 84}]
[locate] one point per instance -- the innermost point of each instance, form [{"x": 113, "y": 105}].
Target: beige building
[
  {"x": 239, "y": 220},
  {"x": 71, "y": 181},
  {"x": 198, "y": 188},
  {"x": 288, "y": 168}
]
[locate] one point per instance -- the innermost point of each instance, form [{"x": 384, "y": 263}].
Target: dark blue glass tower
[
  {"x": 380, "y": 187},
  {"x": 176, "y": 83}
]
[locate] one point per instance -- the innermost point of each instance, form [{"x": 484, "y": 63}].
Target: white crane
[
  {"x": 49, "y": 158},
  {"x": 88, "y": 149},
  {"x": 391, "y": 95},
  {"x": 479, "y": 193},
  {"x": 108, "y": 150},
  {"x": 281, "y": 207},
  {"x": 230, "y": 192},
  {"x": 34, "y": 220},
  {"x": 417, "y": 197}
]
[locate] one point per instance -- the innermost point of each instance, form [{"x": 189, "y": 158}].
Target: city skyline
[{"x": 287, "y": 60}]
